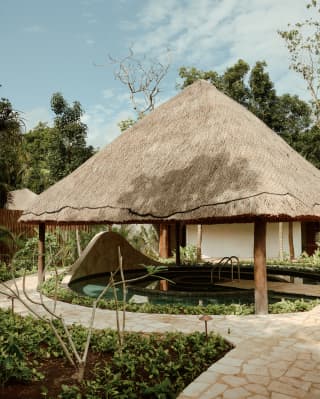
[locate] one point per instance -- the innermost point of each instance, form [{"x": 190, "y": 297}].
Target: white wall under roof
[{"x": 237, "y": 239}]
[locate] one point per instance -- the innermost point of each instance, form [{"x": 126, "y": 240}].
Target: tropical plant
[
  {"x": 11, "y": 156},
  {"x": 188, "y": 255},
  {"x": 67, "y": 147},
  {"x": 149, "y": 365},
  {"x": 10, "y": 243}
]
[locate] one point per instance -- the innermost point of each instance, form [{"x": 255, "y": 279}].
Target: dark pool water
[{"x": 213, "y": 295}]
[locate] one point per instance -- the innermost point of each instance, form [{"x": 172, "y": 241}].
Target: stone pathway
[{"x": 275, "y": 356}]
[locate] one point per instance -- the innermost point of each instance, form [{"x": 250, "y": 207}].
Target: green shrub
[
  {"x": 148, "y": 366},
  {"x": 13, "y": 365},
  {"x": 188, "y": 255},
  {"x": 168, "y": 363}
]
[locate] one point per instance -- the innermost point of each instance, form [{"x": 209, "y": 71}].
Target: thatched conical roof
[
  {"x": 198, "y": 157},
  {"x": 20, "y": 199}
]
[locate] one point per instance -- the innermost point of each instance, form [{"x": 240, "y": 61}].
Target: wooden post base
[{"x": 260, "y": 269}]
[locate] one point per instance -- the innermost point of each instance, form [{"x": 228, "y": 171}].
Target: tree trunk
[
  {"x": 81, "y": 370},
  {"x": 291, "y": 245},
  {"x": 41, "y": 252},
  {"x": 260, "y": 270},
  {"x": 199, "y": 243}
]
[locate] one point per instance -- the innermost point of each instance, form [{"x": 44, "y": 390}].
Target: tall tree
[
  {"x": 262, "y": 97},
  {"x": 68, "y": 148},
  {"x": 36, "y": 145},
  {"x": 303, "y": 42},
  {"x": 11, "y": 156}
]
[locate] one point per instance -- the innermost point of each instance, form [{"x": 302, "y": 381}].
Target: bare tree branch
[{"x": 142, "y": 77}]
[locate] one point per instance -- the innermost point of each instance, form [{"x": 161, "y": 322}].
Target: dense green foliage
[
  {"x": 60, "y": 251},
  {"x": 11, "y": 155},
  {"x": 67, "y": 149},
  {"x": 37, "y": 145},
  {"x": 148, "y": 366},
  {"x": 44, "y": 155}
]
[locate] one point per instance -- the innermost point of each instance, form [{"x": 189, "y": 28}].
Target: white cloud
[
  {"x": 214, "y": 34},
  {"x": 34, "y": 29},
  {"x": 36, "y": 115},
  {"x": 107, "y": 93},
  {"x": 103, "y": 124},
  {"x": 90, "y": 42},
  {"x": 119, "y": 98}
]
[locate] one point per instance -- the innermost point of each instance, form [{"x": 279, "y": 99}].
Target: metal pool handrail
[{"x": 224, "y": 261}]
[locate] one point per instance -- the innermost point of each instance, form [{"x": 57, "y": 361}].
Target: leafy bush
[
  {"x": 313, "y": 259},
  {"x": 148, "y": 366},
  {"x": 188, "y": 255},
  {"x": 13, "y": 365},
  {"x": 168, "y": 363},
  {"x": 5, "y": 272}
]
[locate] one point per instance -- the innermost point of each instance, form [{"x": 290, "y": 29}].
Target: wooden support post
[
  {"x": 290, "y": 237},
  {"x": 178, "y": 261},
  {"x": 164, "y": 241},
  {"x": 281, "y": 241},
  {"x": 260, "y": 269},
  {"x": 199, "y": 243},
  {"x": 41, "y": 252},
  {"x": 79, "y": 250}
]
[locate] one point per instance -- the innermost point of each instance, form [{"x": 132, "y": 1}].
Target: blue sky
[{"x": 49, "y": 46}]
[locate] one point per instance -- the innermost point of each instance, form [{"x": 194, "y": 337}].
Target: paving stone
[
  {"x": 256, "y": 388},
  {"x": 256, "y": 370},
  {"x": 235, "y": 393},
  {"x": 224, "y": 369},
  {"x": 259, "y": 397},
  {"x": 208, "y": 376},
  {"x": 287, "y": 342},
  {"x": 295, "y": 372},
  {"x": 234, "y": 381},
  {"x": 277, "y": 395},
  {"x": 231, "y": 361},
  {"x": 313, "y": 394},
  {"x": 258, "y": 379},
  {"x": 259, "y": 362},
  {"x": 213, "y": 391},
  {"x": 311, "y": 376},
  {"x": 287, "y": 355},
  {"x": 304, "y": 356},
  {"x": 280, "y": 387},
  {"x": 194, "y": 389},
  {"x": 276, "y": 372},
  {"x": 295, "y": 382},
  {"x": 307, "y": 365}
]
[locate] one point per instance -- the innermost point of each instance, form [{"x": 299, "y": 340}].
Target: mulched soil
[{"x": 56, "y": 372}]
